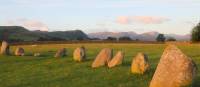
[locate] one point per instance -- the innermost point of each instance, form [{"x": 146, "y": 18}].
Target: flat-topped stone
[
  {"x": 79, "y": 54},
  {"x": 5, "y": 48},
  {"x": 19, "y": 51}
]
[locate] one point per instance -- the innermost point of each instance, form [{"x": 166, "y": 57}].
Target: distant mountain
[
  {"x": 17, "y": 33},
  {"x": 179, "y": 37},
  {"x": 148, "y": 36},
  {"x": 104, "y": 35}
]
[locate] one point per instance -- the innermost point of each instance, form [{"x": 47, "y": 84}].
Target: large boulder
[
  {"x": 102, "y": 58},
  {"x": 19, "y": 51},
  {"x": 79, "y": 54},
  {"x": 140, "y": 64},
  {"x": 61, "y": 53},
  {"x": 175, "y": 69},
  {"x": 5, "y": 48},
  {"x": 117, "y": 60}
]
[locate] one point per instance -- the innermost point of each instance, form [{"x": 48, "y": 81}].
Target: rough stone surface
[
  {"x": 140, "y": 64},
  {"x": 117, "y": 60},
  {"x": 102, "y": 58},
  {"x": 79, "y": 54},
  {"x": 5, "y": 48},
  {"x": 175, "y": 69},
  {"x": 61, "y": 53},
  {"x": 19, "y": 51}
]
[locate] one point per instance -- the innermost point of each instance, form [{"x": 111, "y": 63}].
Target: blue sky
[{"x": 165, "y": 16}]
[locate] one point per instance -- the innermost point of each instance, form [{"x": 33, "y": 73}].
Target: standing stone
[
  {"x": 140, "y": 64},
  {"x": 60, "y": 53},
  {"x": 19, "y": 51},
  {"x": 117, "y": 60},
  {"x": 175, "y": 69},
  {"x": 79, "y": 54},
  {"x": 102, "y": 58},
  {"x": 5, "y": 48}
]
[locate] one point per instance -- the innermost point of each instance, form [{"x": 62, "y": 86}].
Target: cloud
[
  {"x": 29, "y": 24},
  {"x": 123, "y": 20},
  {"x": 150, "y": 19},
  {"x": 141, "y": 19}
]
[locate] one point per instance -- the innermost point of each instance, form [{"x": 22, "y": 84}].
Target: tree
[
  {"x": 137, "y": 39},
  {"x": 195, "y": 34},
  {"x": 111, "y": 38},
  {"x": 50, "y": 39},
  {"x": 160, "y": 38},
  {"x": 80, "y": 38},
  {"x": 125, "y": 38},
  {"x": 171, "y": 39},
  {"x": 95, "y": 39}
]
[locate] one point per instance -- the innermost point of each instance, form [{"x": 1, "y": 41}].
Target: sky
[{"x": 164, "y": 16}]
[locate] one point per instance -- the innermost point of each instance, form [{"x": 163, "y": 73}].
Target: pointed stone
[
  {"x": 19, "y": 51},
  {"x": 140, "y": 64},
  {"x": 5, "y": 48},
  {"x": 79, "y": 54},
  {"x": 61, "y": 53},
  {"x": 175, "y": 69},
  {"x": 102, "y": 58},
  {"x": 117, "y": 60}
]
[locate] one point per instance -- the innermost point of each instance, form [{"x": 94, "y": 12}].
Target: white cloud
[
  {"x": 141, "y": 19},
  {"x": 29, "y": 24}
]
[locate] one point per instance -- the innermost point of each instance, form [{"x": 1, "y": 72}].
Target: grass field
[{"x": 46, "y": 71}]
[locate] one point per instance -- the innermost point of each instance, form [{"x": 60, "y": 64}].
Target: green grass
[{"x": 46, "y": 71}]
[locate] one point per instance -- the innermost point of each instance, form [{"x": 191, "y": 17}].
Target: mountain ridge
[
  {"x": 147, "y": 36},
  {"x": 18, "y": 33}
]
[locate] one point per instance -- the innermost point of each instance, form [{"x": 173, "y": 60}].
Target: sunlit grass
[{"x": 46, "y": 71}]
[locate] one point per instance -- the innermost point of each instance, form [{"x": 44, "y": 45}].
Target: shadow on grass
[
  {"x": 21, "y": 59},
  {"x": 126, "y": 63},
  {"x": 41, "y": 83},
  {"x": 196, "y": 82}
]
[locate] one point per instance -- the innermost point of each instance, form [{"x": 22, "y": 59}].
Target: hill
[{"x": 17, "y": 33}]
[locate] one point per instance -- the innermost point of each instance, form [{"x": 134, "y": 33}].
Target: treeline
[
  {"x": 160, "y": 38},
  {"x": 195, "y": 35}
]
